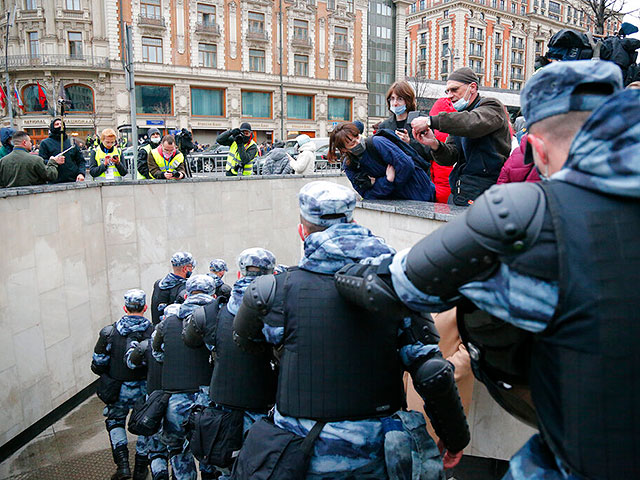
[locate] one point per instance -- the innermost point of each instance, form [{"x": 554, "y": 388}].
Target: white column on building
[{"x": 401, "y": 33}]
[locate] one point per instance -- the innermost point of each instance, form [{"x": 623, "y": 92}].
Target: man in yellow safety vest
[
  {"x": 166, "y": 161},
  {"x": 242, "y": 152}
]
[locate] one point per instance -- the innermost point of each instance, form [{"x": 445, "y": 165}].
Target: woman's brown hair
[
  {"x": 403, "y": 90},
  {"x": 338, "y": 139}
]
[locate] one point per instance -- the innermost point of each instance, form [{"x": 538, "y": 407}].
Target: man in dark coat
[{"x": 74, "y": 167}]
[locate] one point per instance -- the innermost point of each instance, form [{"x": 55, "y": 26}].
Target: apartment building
[
  {"x": 205, "y": 65},
  {"x": 498, "y": 39}
]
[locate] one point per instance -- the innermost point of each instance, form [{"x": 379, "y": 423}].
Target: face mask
[
  {"x": 57, "y": 131},
  {"x": 166, "y": 154},
  {"x": 188, "y": 274},
  {"x": 358, "y": 150},
  {"x": 462, "y": 103},
  {"x": 399, "y": 110},
  {"x": 155, "y": 140}
]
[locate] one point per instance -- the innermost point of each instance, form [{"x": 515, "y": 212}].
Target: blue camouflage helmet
[
  {"x": 202, "y": 283},
  {"x": 326, "y": 203},
  {"x": 182, "y": 258},
  {"x": 218, "y": 265},
  {"x": 135, "y": 299},
  {"x": 552, "y": 90},
  {"x": 256, "y": 257},
  {"x": 280, "y": 268}
]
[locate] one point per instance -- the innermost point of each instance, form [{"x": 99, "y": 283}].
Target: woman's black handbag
[
  {"x": 216, "y": 435},
  {"x": 146, "y": 416},
  {"x": 270, "y": 452},
  {"x": 108, "y": 389}
]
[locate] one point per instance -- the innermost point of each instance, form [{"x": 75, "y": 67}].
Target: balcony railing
[
  {"x": 517, "y": 76},
  {"x": 422, "y": 57},
  {"x": 207, "y": 27},
  {"x": 476, "y": 52},
  {"x": 301, "y": 40},
  {"x": 342, "y": 47},
  {"x": 477, "y": 36},
  {"x": 517, "y": 60},
  {"x": 445, "y": 36},
  {"x": 478, "y": 71},
  {"x": 151, "y": 20},
  {"x": 259, "y": 35},
  {"x": 497, "y": 57},
  {"x": 30, "y": 61}
]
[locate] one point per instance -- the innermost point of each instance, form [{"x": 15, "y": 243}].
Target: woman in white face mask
[{"x": 401, "y": 100}]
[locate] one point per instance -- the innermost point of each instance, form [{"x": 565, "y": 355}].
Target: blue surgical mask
[
  {"x": 462, "y": 103},
  {"x": 399, "y": 110}
]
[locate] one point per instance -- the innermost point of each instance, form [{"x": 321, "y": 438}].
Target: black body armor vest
[
  {"x": 154, "y": 372},
  {"x": 338, "y": 362},
  {"x": 585, "y": 375},
  {"x": 184, "y": 369},
  {"x": 119, "y": 345},
  {"x": 240, "y": 379},
  {"x": 160, "y": 296}
]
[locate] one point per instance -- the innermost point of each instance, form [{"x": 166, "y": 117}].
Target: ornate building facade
[
  {"x": 498, "y": 39},
  {"x": 206, "y": 65}
]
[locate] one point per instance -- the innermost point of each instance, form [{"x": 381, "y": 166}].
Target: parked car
[{"x": 213, "y": 159}]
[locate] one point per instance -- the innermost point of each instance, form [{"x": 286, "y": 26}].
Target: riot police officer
[
  {"x": 556, "y": 266},
  {"x": 186, "y": 373},
  {"x": 166, "y": 290},
  {"x": 241, "y": 382},
  {"x": 109, "y": 361},
  {"x": 340, "y": 376},
  {"x": 217, "y": 269}
]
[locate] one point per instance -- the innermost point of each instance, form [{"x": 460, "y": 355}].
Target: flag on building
[
  {"x": 42, "y": 96},
  {"x": 18, "y": 99},
  {"x": 3, "y": 98}
]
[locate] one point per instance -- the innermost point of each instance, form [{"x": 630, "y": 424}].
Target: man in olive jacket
[
  {"x": 21, "y": 169},
  {"x": 479, "y": 139}
]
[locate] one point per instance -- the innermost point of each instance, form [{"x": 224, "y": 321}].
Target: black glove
[
  {"x": 241, "y": 139},
  {"x": 235, "y": 132},
  {"x": 361, "y": 181}
]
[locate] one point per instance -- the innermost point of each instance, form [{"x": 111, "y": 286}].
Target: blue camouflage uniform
[
  {"x": 355, "y": 449},
  {"x": 265, "y": 261},
  {"x": 173, "y": 432},
  {"x": 117, "y": 412},
  {"x": 603, "y": 158}
]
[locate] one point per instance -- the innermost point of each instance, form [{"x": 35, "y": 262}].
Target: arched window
[
  {"x": 33, "y": 100},
  {"x": 80, "y": 98}
]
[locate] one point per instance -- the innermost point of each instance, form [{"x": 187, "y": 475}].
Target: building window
[
  {"x": 154, "y": 99},
  {"x": 150, "y": 9},
  {"x": 301, "y": 65},
  {"x": 339, "y": 109},
  {"x": 445, "y": 14},
  {"x": 256, "y": 22},
  {"x": 300, "y": 107},
  {"x": 72, "y": 4},
  {"x": 513, "y": 7},
  {"x": 494, "y": 3},
  {"x": 502, "y": 4},
  {"x": 80, "y": 98},
  {"x": 206, "y": 14},
  {"x": 331, "y": 5},
  {"x": 342, "y": 70},
  {"x": 301, "y": 29},
  {"x": 445, "y": 49},
  {"x": 207, "y": 102},
  {"x": 151, "y": 50},
  {"x": 256, "y": 104},
  {"x": 445, "y": 33},
  {"x": 256, "y": 60},
  {"x": 34, "y": 44},
  {"x": 350, "y": 6},
  {"x": 496, "y": 83},
  {"x": 75, "y": 44},
  {"x": 554, "y": 7},
  {"x": 31, "y": 99},
  {"x": 523, "y": 10},
  {"x": 30, "y": 4},
  {"x": 445, "y": 66},
  {"x": 207, "y": 55},
  {"x": 341, "y": 36}
]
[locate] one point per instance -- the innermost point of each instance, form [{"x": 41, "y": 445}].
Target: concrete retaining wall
[{"x": 71, "y": 251}]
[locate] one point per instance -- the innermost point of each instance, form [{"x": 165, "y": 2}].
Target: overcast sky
[{"x": 632, "y": 5}]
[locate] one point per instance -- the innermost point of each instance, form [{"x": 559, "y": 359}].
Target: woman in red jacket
[{"x": 439, "y": 173}]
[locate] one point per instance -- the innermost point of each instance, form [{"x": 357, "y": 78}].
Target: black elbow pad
[
  {"x": 138, "y": 353},
  {"x": 434, "y": 380},
  {"x": 193, "y": 328},
  {"x": 104, "y": 338},
  {"x": 256, "y": 303}
]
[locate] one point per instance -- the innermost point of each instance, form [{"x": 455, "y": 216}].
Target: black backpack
[{"x": 405, "y": 147}]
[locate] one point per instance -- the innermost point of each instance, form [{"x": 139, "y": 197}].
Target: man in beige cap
[{"x": 479, "y": 139}]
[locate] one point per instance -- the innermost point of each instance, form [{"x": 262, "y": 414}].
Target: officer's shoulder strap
[{"x": 507, "y": 219}]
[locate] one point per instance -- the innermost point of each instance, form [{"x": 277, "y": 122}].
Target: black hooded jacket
[{"x": 74, "y": 161}]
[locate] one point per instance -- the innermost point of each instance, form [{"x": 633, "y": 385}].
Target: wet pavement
[{"x": 74, "y": 448}]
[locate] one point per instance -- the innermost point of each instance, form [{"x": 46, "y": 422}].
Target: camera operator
[
  {"x": 242, "y": 152},
  {"x": 105, "y": 163},
  {"x": 167, "y": 161}
]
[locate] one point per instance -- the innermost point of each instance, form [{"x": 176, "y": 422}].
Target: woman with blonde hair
[{"x": 106, "y": 160}]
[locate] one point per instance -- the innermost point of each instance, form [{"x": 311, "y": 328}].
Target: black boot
[
  {"x": 140, "y": 470},
  {"x": 163, "y": 475},
  {"x": 121, "y": 457}
]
